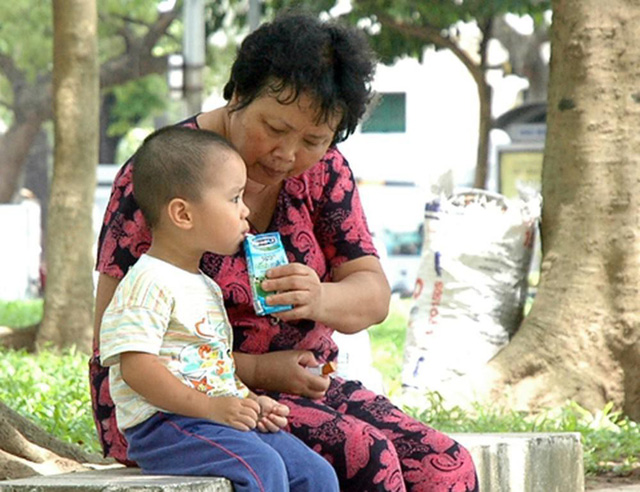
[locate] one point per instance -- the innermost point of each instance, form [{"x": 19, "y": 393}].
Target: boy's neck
[{"x": 176, "y": 256}]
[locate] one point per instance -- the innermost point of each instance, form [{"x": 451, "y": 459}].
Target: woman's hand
[
  {"x": 273, "y": 415},
  {"x": 356, "y": 297},
  {"x": 282, "y": 371},
  {"x": 295, "y": 284}
]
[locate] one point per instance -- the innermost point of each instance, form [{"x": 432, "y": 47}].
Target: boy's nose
[{"x": 245, "y": 210}]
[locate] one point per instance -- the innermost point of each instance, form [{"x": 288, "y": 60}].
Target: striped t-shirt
[{"x": 179, "y": 316}]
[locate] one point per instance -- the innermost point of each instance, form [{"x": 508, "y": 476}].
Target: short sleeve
[
  {"x": 135, "y": 321},
  {"x": 340, "y": 226}
]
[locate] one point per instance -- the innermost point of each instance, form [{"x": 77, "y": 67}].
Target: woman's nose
[{"x": 286, "y": 150}]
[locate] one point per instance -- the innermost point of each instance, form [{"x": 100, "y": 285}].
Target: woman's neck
[{"x": 215, "y": 121}]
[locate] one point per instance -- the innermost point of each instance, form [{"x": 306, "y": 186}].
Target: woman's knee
[{"x": 371, "y": 461}]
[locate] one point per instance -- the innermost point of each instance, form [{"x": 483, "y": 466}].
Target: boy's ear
[{"x": 179, "y": 213}]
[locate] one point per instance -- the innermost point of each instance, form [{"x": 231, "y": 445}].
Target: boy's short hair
[{"x": 171, "y": 163}]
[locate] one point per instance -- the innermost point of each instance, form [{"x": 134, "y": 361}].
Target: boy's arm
[{"x": 148, "y": 377}]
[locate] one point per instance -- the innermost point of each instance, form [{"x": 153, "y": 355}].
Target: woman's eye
[{"x": 275, "y": 130}]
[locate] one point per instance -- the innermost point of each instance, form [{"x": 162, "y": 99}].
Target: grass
[
  {"x": 20, "y": 314},
  {"x": 51, "y": 388}
]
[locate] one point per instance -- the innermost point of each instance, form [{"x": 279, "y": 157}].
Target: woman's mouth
[{"x": 273, "y": 173}]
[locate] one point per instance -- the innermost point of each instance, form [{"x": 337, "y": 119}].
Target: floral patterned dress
[{"x": 371, "y": 443}]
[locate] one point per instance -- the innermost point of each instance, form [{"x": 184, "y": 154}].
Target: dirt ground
[{"x": 612, "y": 482}]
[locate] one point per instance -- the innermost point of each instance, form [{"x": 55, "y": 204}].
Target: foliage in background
[
  {"x": 387, "y": 344},
  {"x": 611, "y": 441},
  {"x": 52, "y": 390},
  {"x": 20, "y": 314}
]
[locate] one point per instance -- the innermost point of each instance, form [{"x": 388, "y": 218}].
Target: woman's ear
[{"x": 179, "y": 212}]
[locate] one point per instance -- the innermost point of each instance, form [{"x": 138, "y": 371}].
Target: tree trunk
[
  {"x": 27, "y": 450},
  {"x": 14, "y": 149},
  {"x": 36, "y": 176},
  {"x": 108, "y": 144},
  {"x": 68, "y": 312},
  {"x": 580, "y": 340},
  {"x": 485, "y": 121}
]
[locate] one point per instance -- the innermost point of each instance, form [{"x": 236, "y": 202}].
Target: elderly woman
[{"x": 297, "y": 88}]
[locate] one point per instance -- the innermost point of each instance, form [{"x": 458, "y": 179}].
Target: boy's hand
[
  {"x": 273, "y": 415},
  {"x": 239, "y": 413}
]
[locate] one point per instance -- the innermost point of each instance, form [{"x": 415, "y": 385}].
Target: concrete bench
[
  {"x": 518, "y": 462},
  {"x": 116, "y": 479},
  {"x": 527, "y": 462}
]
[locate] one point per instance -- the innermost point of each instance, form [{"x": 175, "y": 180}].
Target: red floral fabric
[{"x": 372, "y": 444}]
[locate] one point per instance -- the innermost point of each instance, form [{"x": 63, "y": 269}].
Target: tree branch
[
  {"x": 10, "y": 70},
  {"x": 434, "y": 36}
]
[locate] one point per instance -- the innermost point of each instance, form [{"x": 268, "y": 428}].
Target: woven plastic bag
[{"x": 471, "y": 285}]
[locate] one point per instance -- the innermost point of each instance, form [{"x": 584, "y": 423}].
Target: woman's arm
[
  {"x": 104, "y": 292},
  {"x": 357, "y": 298},
  {"x": 283, "y": 371}
]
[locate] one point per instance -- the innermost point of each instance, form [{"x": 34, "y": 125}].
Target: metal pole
[
  {"x": 254, "y": 14},
  {"x": 193, "y": 48}
]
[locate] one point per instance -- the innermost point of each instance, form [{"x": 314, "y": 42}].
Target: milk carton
[{"x": 264, "y": 251}]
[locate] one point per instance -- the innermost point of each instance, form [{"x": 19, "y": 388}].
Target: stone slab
[
  {"x": 527, "y": 462},
  {"x": 506, "y": 462},
  {"x": 117, "y": 479}
]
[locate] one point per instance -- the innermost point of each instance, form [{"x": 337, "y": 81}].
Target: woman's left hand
[{"x": 295, "y": 284}]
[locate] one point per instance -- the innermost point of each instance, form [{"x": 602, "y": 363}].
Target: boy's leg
[
  {"x": 307, "y": 470},
  {"x": 175, "y": 445}
]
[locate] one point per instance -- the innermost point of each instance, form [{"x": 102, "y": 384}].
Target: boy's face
[{"x": 220, "y": 217}]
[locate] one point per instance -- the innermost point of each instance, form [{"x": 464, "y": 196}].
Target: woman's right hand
[{"x": 282, "y": 371}]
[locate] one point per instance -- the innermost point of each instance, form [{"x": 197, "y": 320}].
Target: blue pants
[{"x": 171, "y": 444}]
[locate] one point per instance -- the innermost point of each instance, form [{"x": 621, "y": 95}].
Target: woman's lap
[{"x": 375, "y": 446}]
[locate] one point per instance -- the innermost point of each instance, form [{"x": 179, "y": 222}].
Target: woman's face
[{"x": 279, "y": 140}]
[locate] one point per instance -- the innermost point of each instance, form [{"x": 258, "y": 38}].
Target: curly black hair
[{"x": 298, "y": 52}]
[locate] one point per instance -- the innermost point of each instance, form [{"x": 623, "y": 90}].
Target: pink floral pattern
[{"x": 372, "y": 444}]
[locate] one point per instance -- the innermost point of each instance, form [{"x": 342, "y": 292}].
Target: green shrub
[
  {"x": 19, "y": 314},
  {"x": 52, "y": 389}
]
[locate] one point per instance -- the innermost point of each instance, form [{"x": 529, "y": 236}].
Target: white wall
[
  {"x": 441, "y": 126},
  {"x": 19, "y": 250}
]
